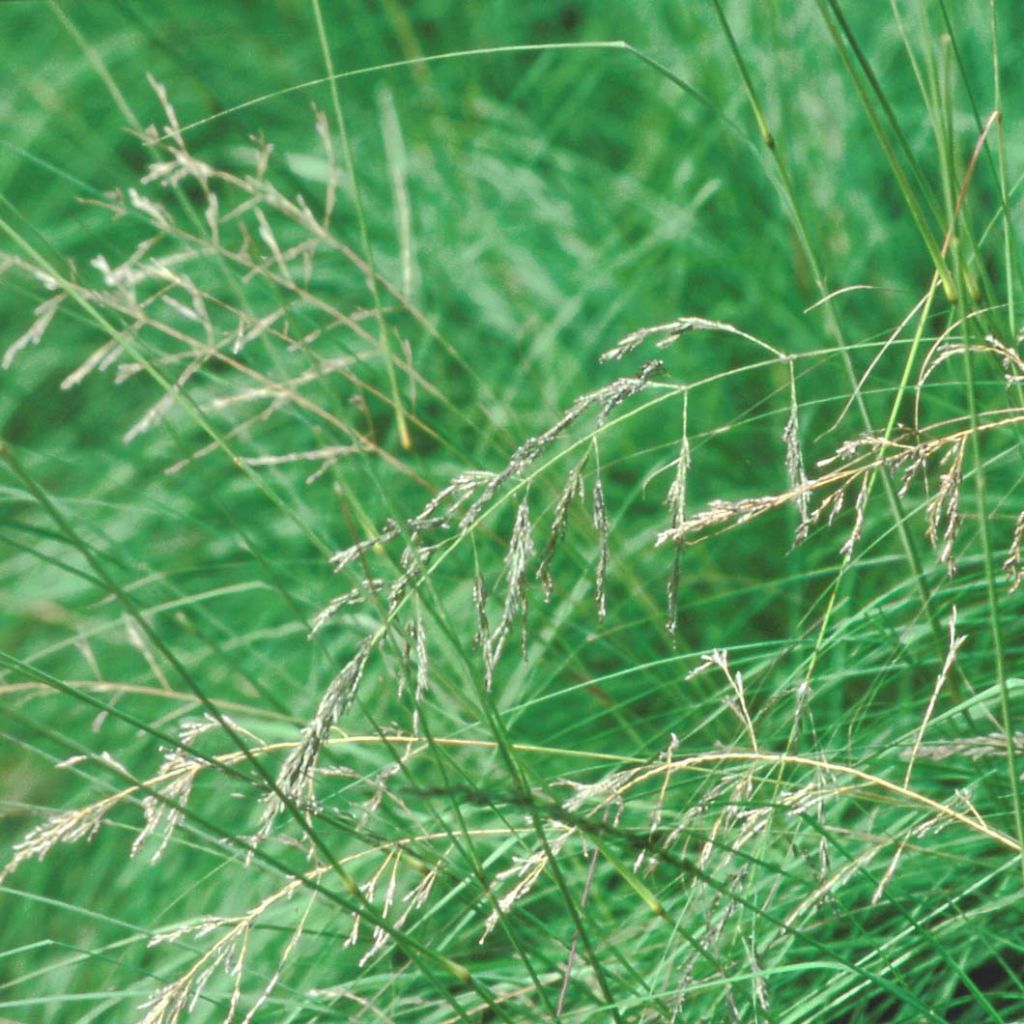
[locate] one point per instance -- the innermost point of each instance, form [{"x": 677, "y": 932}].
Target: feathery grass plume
[
  {"x": 440, "y": 511},
  {"x": 526, "y": 872},
  {"x": 720, "y": 512},
  {"x": 414, "y": 562},
  {"x": 44, "y": 314},
  {"x": 72, "y": 826},
  {"x": 605, "y": 398},
  {"x": 275, "y": 978},
  {"x": 415, "y": 899},
  {"x": 181, "y": 996},
  {"x": 164, "y": 803},
  {"x": 188, "y": 304},
  {"x": 296, "y": 776},
  {"x": 854, "y": 464},
  {"x": 383, "y": 937},
  {"x": 928, "y": 826},
  {"x": 415, "y": 557},
  {"x": 181, "y": 769},
  {"x": 227, "y": 953},
  {"x": 482, "y": 489}
]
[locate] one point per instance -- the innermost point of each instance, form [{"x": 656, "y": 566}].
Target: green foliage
[{"x": 511, "y": 514}]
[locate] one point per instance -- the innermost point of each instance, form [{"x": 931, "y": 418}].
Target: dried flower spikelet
[
  {"x": 859, "y": 448},
  {"x": 422, "y": 667},
  {"x": 442, "y": 508},
  {"x": 295, "y": 779},
  {"x": 168, "y": 1003},
  {"x": 601, "y": 524},
  {"x": 272, "y": 982},
  {"x": 669, "y": 333},
  {"x": 382, "y": 935},
  {"x": 368, "y": 891},
  {"x": 605, "y": 398},
  {"x": 483, "y": 626},
  {"x": 324, "y": 133},
  {"x": 606, "y": 792},
  {"x": 911, "y": 464},
  {"x": 944, "y": 516},
  {"x": 722, "y": 513},
  {"x": 181, "y": 165},
  {"x": 626, "y": 387},
  {"x": 228, "y": 952},
  {"x": 414, "y": 562},
  {"x": 173, "y": 786},
  {"x": 574, "y": 490},
  {"x": 676, "y": 502},
  {"x": 890, "y": 871},
  {"x": 269, "y": 239},
  {"x": 520, "y": 551},
  {"x": 341, "y": 560},
  {"x": 412, "y": 900},
  {"x": 1012, "y": 362},
  {"x": 175, "y": 783},
  {"x": 526, "y": 870},
  {"x": 67, "y": 827},
  {"x": 379, "y": 783},
  {"x": 44, "y": 314},
  {"x": 159, "y": 410},
  {"x": 99, "y": 359},
  {"x": 795, "y": 461},
  {"x": 719, "y": 659},
  {"x": 941, "y": 353},
  {"x": 46, "y": 279},
  {"x": 857, "y": 530},
  {"x": 153, "y": 211},
  {"x": 1013, "y": 565},
  {"x": 521, "y": 459}
]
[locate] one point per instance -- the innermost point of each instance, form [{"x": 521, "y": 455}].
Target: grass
[{"x": 511, "y": 517}]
